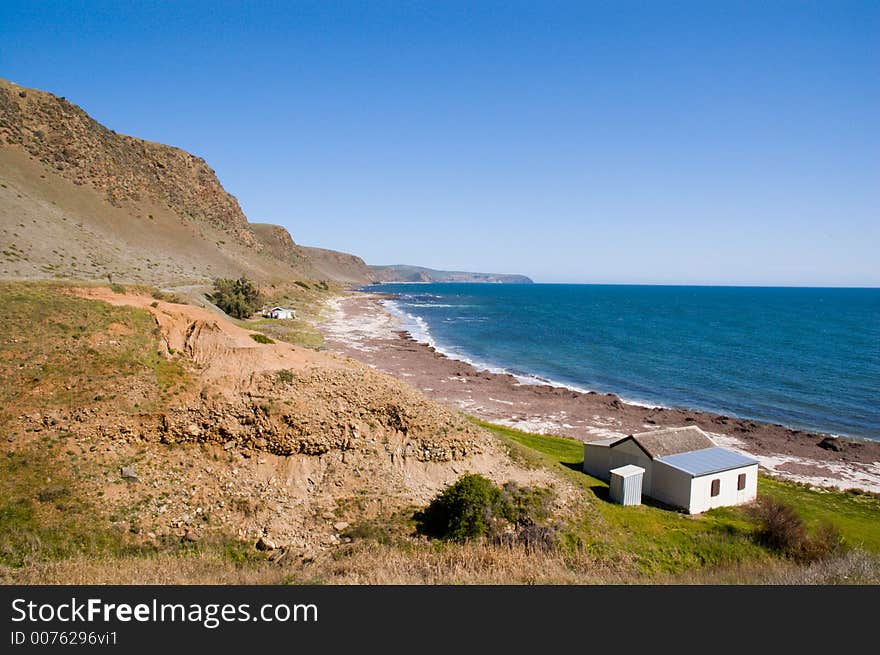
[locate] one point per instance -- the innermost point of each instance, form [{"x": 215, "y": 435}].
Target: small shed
[
  {"x": 681, "y": 467},
  {"x": 626, "y": 485},
  {"x": 280, "y": 312}
]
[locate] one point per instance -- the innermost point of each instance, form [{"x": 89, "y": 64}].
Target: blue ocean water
[{"x": 806, "y": 358}]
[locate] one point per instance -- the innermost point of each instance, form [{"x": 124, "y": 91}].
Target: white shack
[
  {"x": 683, "y": 467},
  {"x": 280, "y": 312}
]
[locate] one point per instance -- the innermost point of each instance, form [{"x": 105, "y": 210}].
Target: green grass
[
  {"x": 41, "y": 520},
  {"x": 295, "y": 331},
  {"x": 856, "y": 515},
  {"x": 661, "y": 540},
  {"x": 261, "y": 338},
  {"x": 310, "y": 304},
  {"x": 60, "y": 350}
]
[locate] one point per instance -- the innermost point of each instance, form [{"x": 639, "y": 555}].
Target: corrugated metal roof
[
  {"x": 628, "y": 470},
  {"x": 707, "y": 460}
]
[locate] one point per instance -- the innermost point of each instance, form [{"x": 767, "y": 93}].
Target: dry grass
[
  {"x": 472, "y": 564},
  {"x": 361, "y": 564},
  {"x": 469, "y": 563},
  {"x": 855, "y": 567},
  {"x": 160, "y": 569}
]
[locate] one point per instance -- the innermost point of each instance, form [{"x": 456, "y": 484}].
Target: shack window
[
  {"x": 716, "y": 487},
  {"x": 741, "y": 482}
]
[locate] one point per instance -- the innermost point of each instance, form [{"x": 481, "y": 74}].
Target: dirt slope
[{"x": 261, "y": 440}]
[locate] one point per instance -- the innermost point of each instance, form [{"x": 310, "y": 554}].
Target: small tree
[{"x": 239, "y": 298}]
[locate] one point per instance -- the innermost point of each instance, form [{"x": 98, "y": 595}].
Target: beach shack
[
  {"x": 683, "y": 467},
  {"x": 280, "y": 312}
]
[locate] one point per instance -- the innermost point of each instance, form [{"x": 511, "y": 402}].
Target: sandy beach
[{"x": 360, "y": 327}]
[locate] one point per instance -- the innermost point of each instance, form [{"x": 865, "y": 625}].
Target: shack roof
[
  {"x": 627, "y": 471},
  {"x": 671, "y": 441},
  {"x": 707, "y": 461}
]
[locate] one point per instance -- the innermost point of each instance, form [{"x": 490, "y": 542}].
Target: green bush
[
  {"x": 261, "y": 338},
  {"x": 239, "y": 298},
  {"x": 474, "y": 507},
  {"x": 463, "y": 510}
]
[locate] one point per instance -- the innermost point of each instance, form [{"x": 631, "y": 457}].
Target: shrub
[
  {"x": 463, "y": 510},
  {"x": 167, "y": 297},
  {"x": 302, "y": 284},
  {"x": 239, "y": 298},
  {"x": 285, "y": 375},
  {"x": 525, "y": 505},
  {"x": 261, "y": 338},
  {"x": 780, "y": 528},
  {"x": 474, "y": 507}
]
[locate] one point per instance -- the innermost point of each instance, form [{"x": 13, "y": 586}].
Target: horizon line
[{"x": 748, "y": 285}]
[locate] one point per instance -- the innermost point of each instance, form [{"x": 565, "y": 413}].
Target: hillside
[
  {"x": 78, "y": 200},
  {"x": 405, "y": 273},
  {"x": 324, "y": 264},
  {"x": 188, "y": 436}
]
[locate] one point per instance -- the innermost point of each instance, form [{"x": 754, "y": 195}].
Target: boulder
[
  {"x": 128, "y": 473},
  {"x": 831, "y": 443},
  {"x": 265, "y": 543}
]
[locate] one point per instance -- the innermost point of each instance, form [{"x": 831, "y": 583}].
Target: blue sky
[{"x": 657, "y": 142}]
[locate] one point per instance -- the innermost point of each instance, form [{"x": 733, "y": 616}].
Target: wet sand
[{"x": 361, "y": 328}]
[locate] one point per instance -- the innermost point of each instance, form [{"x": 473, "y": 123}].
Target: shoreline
[
  {"x": 426, "y": 339},
  {"x": 361, "y": 327}
]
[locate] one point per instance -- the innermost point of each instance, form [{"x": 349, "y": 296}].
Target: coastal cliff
[{"x": 80, "y": 201}]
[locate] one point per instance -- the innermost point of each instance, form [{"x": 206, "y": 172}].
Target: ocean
[{"x": 805, "y": 358}]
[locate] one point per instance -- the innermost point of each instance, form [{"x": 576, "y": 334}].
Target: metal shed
[{"x": 626, "y": 485}]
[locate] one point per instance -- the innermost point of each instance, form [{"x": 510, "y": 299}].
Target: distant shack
[
  {"x": 280, "y": 312},
  {"x": 683, "y": 467}
]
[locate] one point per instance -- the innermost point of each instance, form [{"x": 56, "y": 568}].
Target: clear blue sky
[{"x": 659, "y": 142}]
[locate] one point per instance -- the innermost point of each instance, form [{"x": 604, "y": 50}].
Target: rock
[
  {"x": 128, "y": 473},
  {"x": 281, "y": 555},
  {"x": 191, "y": 536},
  {"x": 831, "y": 443},
  {"x": 340, "y": 526},
  {"x": 193, "y": 430},
  {"x": 264, "y": 543},
  {"x": 229, "y": 445}
]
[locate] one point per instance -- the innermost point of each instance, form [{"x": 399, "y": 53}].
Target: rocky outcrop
[
  {"x": 325, "y": 410},
  {"x": 104, "y": 203},
  {"x": 123, "y": 168}
]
